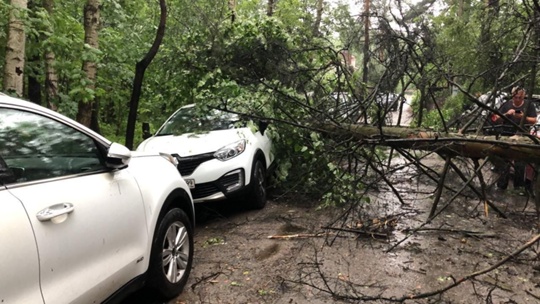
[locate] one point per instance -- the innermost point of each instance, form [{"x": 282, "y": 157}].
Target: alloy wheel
[{"x": 175, "y": 252}]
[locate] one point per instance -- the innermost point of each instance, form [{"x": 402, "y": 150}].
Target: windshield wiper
[{"x": 164, "y": 134}]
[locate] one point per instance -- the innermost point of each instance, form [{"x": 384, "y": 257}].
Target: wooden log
[{"x": 517, "y": 147}]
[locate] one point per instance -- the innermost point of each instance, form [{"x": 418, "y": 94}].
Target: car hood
[{"x": 193, "y": 144}]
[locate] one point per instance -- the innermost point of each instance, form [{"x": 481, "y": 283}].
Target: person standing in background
[{"x": 515, "y": 110}]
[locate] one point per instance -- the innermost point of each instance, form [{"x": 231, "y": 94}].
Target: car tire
[
  {"x": 172, "y": 254},
  {"x": 257, "y": 198}
]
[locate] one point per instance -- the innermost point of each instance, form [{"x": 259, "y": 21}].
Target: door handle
[{"x": 55, "y": 213}]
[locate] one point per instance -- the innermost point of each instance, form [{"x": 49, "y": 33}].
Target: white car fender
[{"x": 160, "y": 178}]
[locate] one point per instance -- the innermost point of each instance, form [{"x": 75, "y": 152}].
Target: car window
[
  {"x": 189, "y": 120},
  {"x": 36, "y": 147},
  {"x": 6, "y": 175}
]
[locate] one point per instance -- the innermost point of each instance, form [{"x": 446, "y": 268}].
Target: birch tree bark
[
  {"x": 15, "y": 49},
  {"x": 91, "y": 24},
  {"x": 51, "y": 78}
]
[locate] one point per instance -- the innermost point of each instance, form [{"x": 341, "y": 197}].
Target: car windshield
[{"x": 189, "y": 120}]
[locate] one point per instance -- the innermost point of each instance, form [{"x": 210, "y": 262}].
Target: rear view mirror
[{"x": 146, "y": 130}]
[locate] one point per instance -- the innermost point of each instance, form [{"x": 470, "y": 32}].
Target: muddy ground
[{"x": 236, "y": 261}]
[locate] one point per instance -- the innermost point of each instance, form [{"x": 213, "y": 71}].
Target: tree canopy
[
  {"x": 278, "y": 61},
  {"x": 315, "y": 70}
]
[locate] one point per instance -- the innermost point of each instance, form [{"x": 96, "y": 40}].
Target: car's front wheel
[
  {"x": 172, "y": 254},
  {"x": 257, "y": 199}
]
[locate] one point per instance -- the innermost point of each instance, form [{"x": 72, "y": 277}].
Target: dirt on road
[{"x": 236, "y": 261}]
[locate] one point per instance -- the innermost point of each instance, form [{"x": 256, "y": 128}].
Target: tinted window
[
  {"x": 6, "y": 175},
  {"x": 36, "y": 147}
]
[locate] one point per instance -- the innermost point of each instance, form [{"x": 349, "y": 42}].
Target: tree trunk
[
  {"x": 33, "y": 85},
  {"x": 94, "y": 122},
  {"x": 140, "y": 68},
  {"x": 270, "y": 8},
  {"x": 318, "y": 18},
  {"x": 488, "y": 47},
  {"x": 232, "y": 9},
  {"x": 366, "y": 41},
  {"x": 51, "y": 78},
  {"x": 15, "y": 49},
  {"x": 453, "y": 144},
  {"x": 534, "y": 64},
  {"x": 493, "y": 4},
  {"x": 91, "y": 24}
]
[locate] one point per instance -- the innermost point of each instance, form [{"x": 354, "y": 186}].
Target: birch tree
[{"x": 15, "y": 49}]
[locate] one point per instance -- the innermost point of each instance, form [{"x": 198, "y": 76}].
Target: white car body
[
  {"x": 212, "y": 179},
  {"x": 494, "y": 102},
  {"x": 80, "y": 237}
]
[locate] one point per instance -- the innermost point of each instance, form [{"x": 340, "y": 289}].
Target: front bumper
[
  {"x": 214, "y": 180},
  {"x": 225, "y": 187}
]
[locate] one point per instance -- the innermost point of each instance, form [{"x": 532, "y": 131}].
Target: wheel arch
[
  {"x": 155, "y": 277},
  {"x": 259, "y": 155},
  {"x": 178, "y": 198}
]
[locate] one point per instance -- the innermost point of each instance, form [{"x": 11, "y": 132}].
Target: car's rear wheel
[
  {"x": 172, "y": 254},
  {"x": 257, "y": 198}
]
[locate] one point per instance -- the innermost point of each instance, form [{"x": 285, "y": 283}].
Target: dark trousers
[{"x": 518, "y": 176}]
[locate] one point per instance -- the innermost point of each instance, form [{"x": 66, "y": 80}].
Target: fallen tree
[
  {"x": 522, "y": 147},
  {"x": 518, "y": 147}
]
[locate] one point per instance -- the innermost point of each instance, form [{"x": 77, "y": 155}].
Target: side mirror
[
  {"x": 146, "y": 130},
  {"x": 118, "y": 156},
  {"x": 263, "y": 125}
]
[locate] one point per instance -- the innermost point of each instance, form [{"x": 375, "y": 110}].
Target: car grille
[
  {"x": 221, "y": 185},
  {"x": 229, "y": 180},
  {"x": 204, "y": 190},
  {"x": 186, "y": 165}
]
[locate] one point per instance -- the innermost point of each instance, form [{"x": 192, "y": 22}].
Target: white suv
[
  {"x": 85, "y": 220},
  {"x": 220, "y": 156}
]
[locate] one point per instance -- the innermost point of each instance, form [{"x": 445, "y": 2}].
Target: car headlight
[{"x": 231, "y": 150}]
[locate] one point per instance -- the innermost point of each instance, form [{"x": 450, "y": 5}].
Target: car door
[
  {"x": 19, "y": 268},
  {"x": 88, "y": 221}
]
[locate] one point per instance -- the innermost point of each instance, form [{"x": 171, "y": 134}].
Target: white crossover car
[
  {"x": 85, "y": 220},
  {"x": 220, "y": 156}
]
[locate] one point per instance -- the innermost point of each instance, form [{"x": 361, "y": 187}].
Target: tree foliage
[
  {"x": 292, "y": 63},
  {"x": 278, "y": 68}
]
